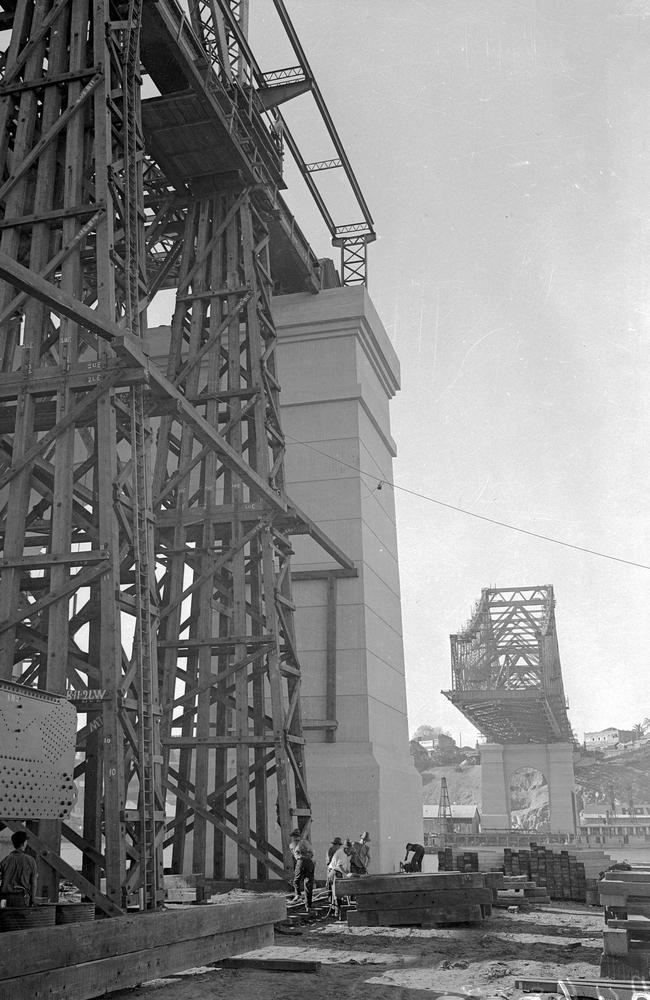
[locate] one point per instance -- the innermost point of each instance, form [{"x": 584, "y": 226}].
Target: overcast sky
[{"x": 503, "y": 149}]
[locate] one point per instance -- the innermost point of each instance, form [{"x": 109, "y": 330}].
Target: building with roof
[
  {"x": 606, "y": 827},
  {"x": 465, "y": 819}
]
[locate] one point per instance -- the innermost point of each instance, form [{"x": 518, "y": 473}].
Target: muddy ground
[{"x": 397, "y": 963}]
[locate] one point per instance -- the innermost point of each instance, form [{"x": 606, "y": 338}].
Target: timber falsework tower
[{"x": 144, "y": 523}]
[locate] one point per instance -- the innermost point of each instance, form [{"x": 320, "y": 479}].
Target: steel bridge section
[{"x": 506, "y": 672}]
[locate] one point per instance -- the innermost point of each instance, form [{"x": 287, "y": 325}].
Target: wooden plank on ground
[
  {"x": 590, "y": 989},
  {"x": 66, "y": 945},
  {"x": 635, "y": 875},
  {"x": 416, "y": 882},
  {"x": 640, "y": 925},
  {"x": 400, "y": 900},
  {"x": 93, "y": 979},
  {"x": 631, "y": 887},
  {"x": 468, "y": 914},
  {"x": 271, "y": 964},
  {"x": 429, "y": 915}
]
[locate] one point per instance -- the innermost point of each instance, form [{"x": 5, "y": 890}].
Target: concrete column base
[
  {"x": 356, "y": 787},
  {"x": 499, "y": 763}
]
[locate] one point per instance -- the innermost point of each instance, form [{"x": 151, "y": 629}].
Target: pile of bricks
[{"x": 418, "y": 899}]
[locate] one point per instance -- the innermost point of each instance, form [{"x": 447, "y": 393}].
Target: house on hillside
[
  {"x": 439, "y": 741},
  {"x": 465, "y": 819},
  {"x": 607, "y": 739}
]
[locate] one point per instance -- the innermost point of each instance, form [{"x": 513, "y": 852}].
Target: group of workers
[{"x": 345, "y": 859}]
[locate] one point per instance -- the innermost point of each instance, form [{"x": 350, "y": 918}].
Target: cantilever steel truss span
[
  {"x": 506, "y": 673},
  {"x": 144, "y": 525}
]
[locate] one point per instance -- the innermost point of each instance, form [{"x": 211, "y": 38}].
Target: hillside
[{"x": 624, "y": 776}]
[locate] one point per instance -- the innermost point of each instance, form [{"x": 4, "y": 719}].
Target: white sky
[{"x": 502, "y": 146}]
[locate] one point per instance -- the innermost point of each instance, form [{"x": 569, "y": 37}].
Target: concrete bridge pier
[{"x": 554, "y": 760}]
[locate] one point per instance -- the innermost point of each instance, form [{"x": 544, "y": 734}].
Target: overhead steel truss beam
[{"x": 506, "y": 660}]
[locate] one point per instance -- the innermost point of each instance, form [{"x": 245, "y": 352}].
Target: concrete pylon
[
  {"x": 338, "y": 372},
  {"x": 500, "y": 762}
]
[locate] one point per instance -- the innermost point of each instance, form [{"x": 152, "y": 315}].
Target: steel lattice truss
[
  {"x": 506, "y": 673},
  {"x": 143, "y": 520}
]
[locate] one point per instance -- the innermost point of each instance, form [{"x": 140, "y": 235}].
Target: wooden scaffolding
[{"x": 144, "y": 525}]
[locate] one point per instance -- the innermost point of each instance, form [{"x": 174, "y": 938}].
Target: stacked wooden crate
[
  {"x": 417, "y": 899},
  {"x": 625, "y": 893},
  {"x": 560, "y": 873},
  {"x": 519, "y": 890},
  {"x": 446, "y": 860},
  {"x": 626, "y": 949},
  {"x": 625, "y": 896},
  {"x": 467, "y": 861}
]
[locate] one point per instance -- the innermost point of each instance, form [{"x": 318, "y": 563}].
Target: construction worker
[
  {"x": 339, "y": 863},
  {"x": 303, "y": 854},
  {"x": 360, "y": 857},
  {"x": 415, "y": 864},
  {"x": 18, "y": 871},
  {"x": 338, "y": 867},
  {"x": 332, "y": 849}
]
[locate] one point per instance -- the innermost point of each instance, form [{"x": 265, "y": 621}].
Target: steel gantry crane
[{"x": 144, "y": 522}]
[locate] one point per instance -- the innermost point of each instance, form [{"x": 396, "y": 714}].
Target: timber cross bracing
[
  {"x": 506, "y": 673},
  {"x": 145, "y": 530}
]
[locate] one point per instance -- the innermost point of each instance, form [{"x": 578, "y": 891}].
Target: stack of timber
[
  {"x": 518, "y": 890},
  {"x": 625, "y": 893},
  {"x": 417, "y": 899},
  {"x": 626, "y": 949},
  {"x": 121, "y": 952}
]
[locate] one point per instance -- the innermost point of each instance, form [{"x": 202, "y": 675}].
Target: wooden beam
[
  {"x": 116, "y": 954},
  {"x": 330, "y": 658},
  {"x": 129, "y": 348},
  {"x": 271, "y": 964}
]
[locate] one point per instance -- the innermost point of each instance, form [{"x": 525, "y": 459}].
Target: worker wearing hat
[
  {"x": 333, "y": 848},
  {"x": 303, "y": 854},
  {"x": 360, "y": 857}
]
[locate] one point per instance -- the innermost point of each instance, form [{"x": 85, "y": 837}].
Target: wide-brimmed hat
[
  {"x": 337, "y": 840},
  {"x": 295, "y": 833}
]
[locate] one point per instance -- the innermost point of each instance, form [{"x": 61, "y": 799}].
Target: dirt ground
[{"x": 400, "y": 963}]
